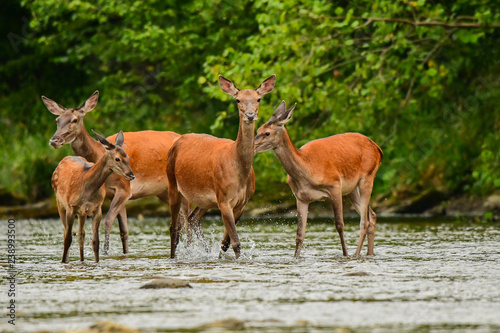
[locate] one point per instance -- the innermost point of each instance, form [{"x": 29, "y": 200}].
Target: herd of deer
[{"x": 205, "y": 171}]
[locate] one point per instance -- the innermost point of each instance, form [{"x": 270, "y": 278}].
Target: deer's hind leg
[
  {"x": 62, "y": 213},
  {"x": 360, "y": 199},
  {"x": 336, "y": 197},
  {"x": 81, "y": 234},
  {"x": 175, "y": 198},
  {"x": 194, "y": 223}
]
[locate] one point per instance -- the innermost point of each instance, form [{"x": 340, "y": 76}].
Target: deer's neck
[
  {"x": 290, "y": 157},
  {"x": 86, "y": 147},
  {"x": 98, "y": 174},
  {"x": 244, "y": 146}
]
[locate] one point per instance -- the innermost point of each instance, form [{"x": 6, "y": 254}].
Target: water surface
[{"x": 426, "y": 276}]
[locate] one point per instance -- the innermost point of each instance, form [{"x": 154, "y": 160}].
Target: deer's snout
[
  {"x": 251, "y": 116},
  {"x": 130, "y": 176},
  {"x": 56, "y": 141}
]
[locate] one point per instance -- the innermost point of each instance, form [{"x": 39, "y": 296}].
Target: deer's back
[
  {"x": 147, "y": 149},
  {"x": 68, "y": 182},
  {"x": 349, "y": 155},
  {"x": 148, "y": 153}
]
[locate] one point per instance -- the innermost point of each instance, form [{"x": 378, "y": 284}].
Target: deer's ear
[
  {"x": 90, "y": 103},
  {"x": 119, "y": 139},
  {"x": 54, "y": 107},
  {"x": 267, "y": 85},
  {"x": 227, "y": 86},
  {"x": 277, "y": 112},
  {"x": 286, "y": 116},
  {"x": 108, "y": 145}
]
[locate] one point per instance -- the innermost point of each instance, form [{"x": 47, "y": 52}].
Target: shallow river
[{"x": 426, "y": 276}]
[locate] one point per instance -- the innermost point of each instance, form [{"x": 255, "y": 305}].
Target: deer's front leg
[
  {"x": 117, "y": 204},
  {"x": 302, "y": 211},
  {"x": 230, "y": 229},
  {"x": 123, "y": 224},
  {"x": 68, "y": 237},
  {"x": 81, "y": 234},
  {"x": 226, "y": 241}
]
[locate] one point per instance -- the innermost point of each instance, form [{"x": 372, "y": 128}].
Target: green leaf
[
  {"x": 202, "y": 80},
  {"x": 432, "y": 71}
]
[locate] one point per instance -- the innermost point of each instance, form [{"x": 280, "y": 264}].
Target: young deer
[
  {"x": 147, "y": 150},
  {"x": 79, "y": 189},
  {"x": 325, "y": 169},
  {"x": 211, "y": 172}
]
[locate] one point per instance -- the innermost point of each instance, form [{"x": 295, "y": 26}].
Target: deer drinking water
[
  {"x": 79, "y": 189},
  {"x": 147, "y": 150},
  {"x": 217, "y": 173},
  {"x": 325, "y": 169}
]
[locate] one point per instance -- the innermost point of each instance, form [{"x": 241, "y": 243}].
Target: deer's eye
[
  {"x": 74, "y": 121},
  {"x": 237, "y": 101},
  {"x": 117, "y": 159},
  {"x": 267, "y": 133},
  {"x": 258, "y": 100}
]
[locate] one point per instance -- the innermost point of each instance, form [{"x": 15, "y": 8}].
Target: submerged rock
[
  {"x": 166, "y": 283},
  {"x": 229, "y": 324},
  {"x": 105, "y": 327}
]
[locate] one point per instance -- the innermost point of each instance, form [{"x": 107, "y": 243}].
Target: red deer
[
  {"x": 217, "y": 173},
  {"x": 79, "y": 189},
  {"x": 325, "y": 169},
  {"x": 147, "y": 150}
]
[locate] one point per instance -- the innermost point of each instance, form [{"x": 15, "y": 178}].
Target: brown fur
[
  {"x": 79, "y": 189},
  {"x": 325, "y": 169},
  {"x": 148, "y": 151},
  {"x": 216, "y": 173},
  {"x": 347, "y": 156}
]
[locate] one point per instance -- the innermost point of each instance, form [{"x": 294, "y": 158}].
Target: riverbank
[{"x": 430, "y": 203}]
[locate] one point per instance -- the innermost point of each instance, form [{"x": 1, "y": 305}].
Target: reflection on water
[{"x": 425, "y": 276}]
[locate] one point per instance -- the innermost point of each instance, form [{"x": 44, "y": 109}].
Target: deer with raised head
[
  {"x": 325, "y": 169},
  {"x": 212, "y": 172},
  {"x": 148, "y": 151},
  {"x": 79, "y": 189}
]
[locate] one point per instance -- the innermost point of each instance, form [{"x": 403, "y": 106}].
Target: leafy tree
[{"x": 418, "y": 77}]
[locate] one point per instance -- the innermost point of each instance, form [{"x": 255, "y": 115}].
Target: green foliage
[{"x": 427, "y": 94}]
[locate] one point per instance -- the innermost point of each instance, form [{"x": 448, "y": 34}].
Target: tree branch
[
  {"x": 438, "y": 45},
  {"x": 462, "y": 25}
]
